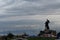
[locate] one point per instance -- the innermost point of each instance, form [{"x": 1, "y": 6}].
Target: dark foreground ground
[
  {"x": 32, "y": 38},
  {"x": 40, "y": 38}
]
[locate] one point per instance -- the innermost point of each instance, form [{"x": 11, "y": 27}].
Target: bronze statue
[{"x": 47, "y": 24}]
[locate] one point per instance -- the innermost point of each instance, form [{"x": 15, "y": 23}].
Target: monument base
[{"x": 48, "y": 33}]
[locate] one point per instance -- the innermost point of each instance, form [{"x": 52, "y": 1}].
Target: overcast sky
[{"x": 19, "y": 16}]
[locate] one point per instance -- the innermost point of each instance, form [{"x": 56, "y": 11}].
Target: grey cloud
[
  {"x": 6, "y": 3},
  {"x": 33, "y": 8},
  {"x": 6, "y": 27},
  {"x": 27, "y": 8}
]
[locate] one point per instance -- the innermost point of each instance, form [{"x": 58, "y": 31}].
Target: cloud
[
  {"x": 28, "y": 14},
  {"x": 30, "y": 7},
  {"x": 34, "y": 7}
]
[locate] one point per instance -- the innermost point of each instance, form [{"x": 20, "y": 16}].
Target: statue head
[{"x": 48, "y": 21}]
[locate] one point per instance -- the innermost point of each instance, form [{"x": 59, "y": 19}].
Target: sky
[{"x": 20, "y": 16}]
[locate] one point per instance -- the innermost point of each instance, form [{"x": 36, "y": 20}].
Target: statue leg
[{"x": 47, "y": 27}]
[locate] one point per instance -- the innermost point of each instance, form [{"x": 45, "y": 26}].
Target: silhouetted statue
[{"x": 47, "y": 24}]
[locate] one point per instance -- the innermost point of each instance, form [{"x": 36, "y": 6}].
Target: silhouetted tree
[
  {"x": 10, "y": 35},
  {"x": 24, "y": 35},
  {"x": 41, "y": 32},
  {"x": 58, "y": 35}
]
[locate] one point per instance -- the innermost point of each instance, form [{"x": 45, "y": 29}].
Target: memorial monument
[{"x": 47, "y": 32}]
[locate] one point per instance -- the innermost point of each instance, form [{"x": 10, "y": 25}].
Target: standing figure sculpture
[{"x": 47, "y": 24}]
